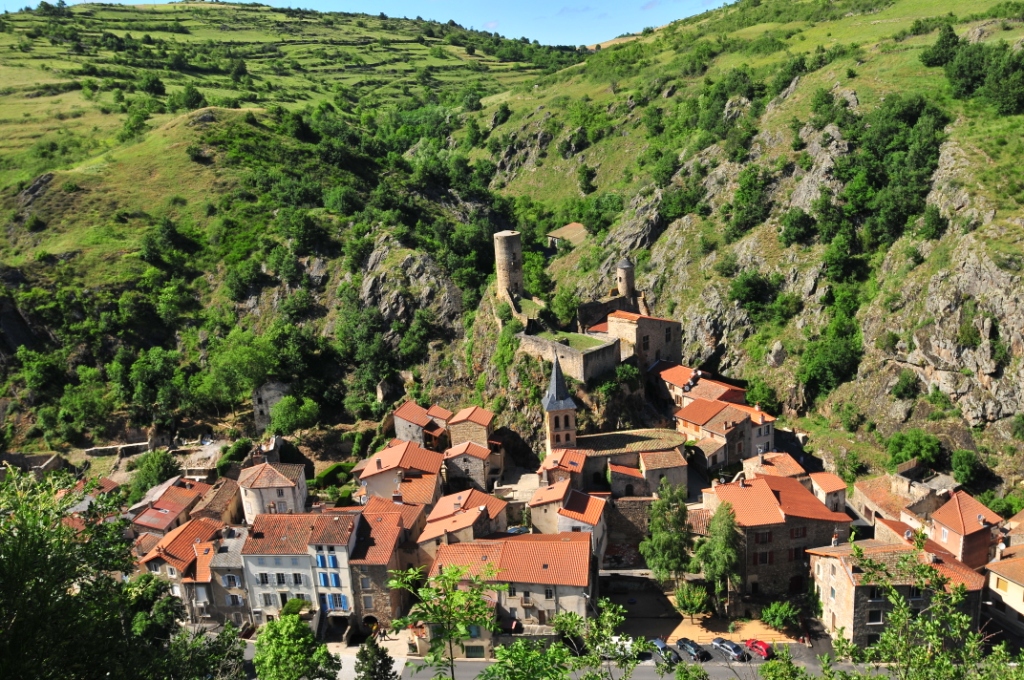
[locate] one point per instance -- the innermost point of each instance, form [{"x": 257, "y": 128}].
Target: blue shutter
[
  {"x": 333, "y": 561},
  {"x": 320, "y": 561},
  {"x": 324, "y": 602},
  {"x": 335, "y": 580},
  {"x": 344, "y": 602},
  {"x": 323, "y": 579}
]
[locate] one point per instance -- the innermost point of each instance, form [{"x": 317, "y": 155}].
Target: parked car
[
  {"x": 732, "y": 651},
  {"x": 616, "y": 646},
  {"x": 668, "y": 655},
  {"x": 692, "y": 650},
  {"x": 761, "y": 648}
]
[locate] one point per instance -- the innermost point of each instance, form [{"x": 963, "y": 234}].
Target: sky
[{"x": 552, "y": 22}]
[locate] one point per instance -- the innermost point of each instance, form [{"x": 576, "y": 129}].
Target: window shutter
[
  {"x": 344, "y": 602},
  {"x": 224, "y": 581},
  {"x": 320, "y": 561},
  {"x": 771, "y": 557},
  {"x": 335, "y": 580},
  {"x": 333, "y": 561},
  {"x": 323, "y": 579},
  {"x": 769, "y": 537},
  {"x": 757, "y": 537}
]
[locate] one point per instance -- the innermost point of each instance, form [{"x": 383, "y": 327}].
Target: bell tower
[{"x": 559, "y": 412}]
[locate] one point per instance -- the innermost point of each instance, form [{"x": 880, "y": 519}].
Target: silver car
[{"x": 732, "y": 651}]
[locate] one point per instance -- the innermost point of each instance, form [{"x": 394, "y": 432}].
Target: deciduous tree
[
  {"x": 286, "y": 649},
  {"x": 373, "y": 662},
  {"x": 719, "y": 553},
  {"x": 692, "y": 599},
  {"x": 667, "y": 548}
]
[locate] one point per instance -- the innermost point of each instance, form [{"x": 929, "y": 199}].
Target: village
[{"x": 241, "y": 544}]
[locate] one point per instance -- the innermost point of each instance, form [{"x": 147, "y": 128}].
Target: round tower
[
  {"x": 508, "y": 258},
  {"x": 624, "y": 277}
]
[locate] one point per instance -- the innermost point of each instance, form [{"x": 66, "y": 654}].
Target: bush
[
  {"x": 933, "y": 225},
  {"x": 750, "y": 205},
  {"x": 727, "y": 265},
  {"x": 196, "y": 153},
  {"x": 289, "y": 415},
  {"x": 1017, "y": 427},
  {"x": 966, "y": 466},
  {"x": 913, "y": 443},
  {"x": 294, "y": 607},
  {"x": 760, "y": 393},
  {"x": 944, "y": 49},
  {"x": 797, "y": 227},
  {"x": 151, "y": 84},
  {"x": 907, "y": 385},
  {"x": 334, "y": 475},
  {"x": 851, "y": 417},
  {"x": 887, "y": 342},
  {"x": 832, "y": 359},
  {"x": 780, "y": 615}
]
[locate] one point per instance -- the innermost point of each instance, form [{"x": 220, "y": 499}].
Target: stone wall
[
  {"x": 782, "y": 566},
  {"x": 36, "y": 464},
  {"x": 581, "y": 365},
  {"x": 408, "y": 432},
  {"x": 628, "y": 519},
  {"x": 465, "y": 472},
  {"x": 468, "y": 431}
]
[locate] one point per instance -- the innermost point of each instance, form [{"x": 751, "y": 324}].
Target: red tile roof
[
  {"x": 582, "y": 508},
  {"x": 473, "y": 414},
  {"x": 457, "y": 522},
  {"x": 378, "y": 536},
  {"x": 457, "y": 502},
  {"x": 205, "y": 552},
  {"x": 440, "y": 413},
  {"x": 403, "y": 456},
  {"x": 574, "y": 232},
  {"x": 144, "y": 543},
  {"x": 550, "y": 494},
  {"x": 625, "y": 470},
  {"x": 561, "y": 559},
  {"x": 469, "y": 449},
  {"x": 796, "y": 501},
  {"x": 778, "y": 465},
  {"x": 828, "y": 482},
  {"x": 725, "y": 420},
  {"x": 271, "y": 476},
  {"x": 676, "y": 375},
  {"x": 375, "y": 505},
  {"x": 770, "y": 500},
  {"x": 631, "y": 316},
  {"x": 420, "y": 490},
  {"x": 961, "y": 514},
  {"x": 570, "y": 460},
  {"x": 292, "y": 534},
  {"x": 176, "y": 548},
  {"x": 700, "y": 411},
  {"x": 879, "y": 491},
  {"x": 755, "y": 414},
  {"x": 102, "y": 485},
  {"x": 713, "y": 390},
  {"x": 599, "y": 327},
  {"x": 413, "y": 413},
  {"x": 1012, "y": 569},
  {"x": 661, "y": 460}
]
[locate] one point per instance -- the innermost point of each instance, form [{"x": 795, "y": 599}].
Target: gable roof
[
  {"x": 473, "y": 414},
  {"x": 463, "y": 519},
  {"x": 292, "y": 534},
  {"x": 574, "y": 232},
  {"x": 582, "y": 507},
  {"x": 757, "y": 416},
  {"x": 725, "y": 420},
  {"x": 469, "y": 449},
  {"x": 557, "y": 397},
  {"x": 144, "y": 543},
  {"x": 217, "y": 499},
  {"x": 377, "y": 537},
  {"x": 420, "y": 490},
  {"x": 411, "y": 512},
  {"x": 879, "y": 491},
  {"x": 625, "y": 470},
  {"x": 770, "y": 500},
  {"x": 455, "y": 503},
  {"x": 828, "y": 482},
  {"x": 205, "y": 552},
  {"x": 176, "y": 548},
  {"x": 700, "y": 411},
  {"x": 558, "y": 559},
  {"x": 570, "y": 460},
  {"x": 439, "y": 412},
  {"x": 676, "y": 375},
  {"x": 402, "y": 456},
  {"x": 796, "y": 501},
  {"x": 414, "y": 413},
  {"x": 634, "y": 317},
  {"x": 961, "y": 513},
  {"x": 778, "y": 465},
  {"x": 890, "y": 554},
  {"x": 550, "y": 494},
  {"x": 271, "y": 476},
  {"x": 713, "y": 390},
  {"x": 661, "y": 460}
]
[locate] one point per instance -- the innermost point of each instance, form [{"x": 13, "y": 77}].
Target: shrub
[
  {"x": 907, "y": 385},
  {"x": 797, "y": 227},
  {"x": 289, "y": 415},
  {"x": 235, "y": 453},
  {"x": 151, "y": 84},
  {"x": 913, "y": 443},
  {"x": 760, "y": 393},
  {"x": 585, "y": 177},
  {"x": 727, "y": 265},
  {"x": 1017, "y": 427},
  {"x": 196, "y": 153},
  {"x": 294, "y": 607},
  {"x": 887, "y": 342},
  {"x": 944, "y": 49},
  {"x": 750, "y": 205},
  {"x": 832, "y": 358},
  {"x": 966, "y": 466},
  {"x": 933, "y": 225},
  {"x": 35, "y": 223},
  {"x": 780, "y": 615}
]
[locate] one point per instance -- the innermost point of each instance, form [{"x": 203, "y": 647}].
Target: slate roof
[
  {"x": 624, "y": 263},
  {"x": 561, "y": 560},
  {"x": 961, "y": 514},
  {"x": 662, "y": 460},
  {"x": 402, "y": 456},
  {"x": 469, "y": 449},
  {"x": 271, "y": 476},
  {"x": 218, "y": 499},
  {"x": 630, "y": 441},
  {"x": 828, "y": 481},
  {"x": 473, "y": 414},
  {"x": 570, "y": 460},
  {"x": 550, "y": 494},
  {"x": 176, "y": 548},
  {"x": 625, "y": 470},
  {"x": 582, "y": 507},
  {"x": 229, "y": 552},
  {"x": 557, "y": 397}
]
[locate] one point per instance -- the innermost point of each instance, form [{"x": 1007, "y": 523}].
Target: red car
[{"x": 762, "y": 649}]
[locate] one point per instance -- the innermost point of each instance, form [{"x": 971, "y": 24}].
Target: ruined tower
[
  {"x": 559, "y": 412},
  {"x": 624, "y": 278},
  {"x": 508, "y": 258}
]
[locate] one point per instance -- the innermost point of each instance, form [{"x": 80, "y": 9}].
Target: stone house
[
  {"x": 650, "y": 339},
  {"x": 719, "y": 421},
  {"x": 272, "y": 488},
  {"x": 545, "y": 575},
  {"x": 264, "y": 398},
  {"x": 472, "y": 424},
  {"x": 668, "y": 465},
  {"x": 545, "y": 504},
  {"x": 469, "y": 465},
  {"x": 304, "y": 556},
  {"x": 584, "y": 513},
  {"x": 170, "y": 508},
  {"x": 708, "y": 454},
  {"x": 627, "y": 481},
  {"x": 173, "y": 558},
  {"x": 375, "y": 554},
  {"x": 830, "y": 489},
  {"x": 404, "y": 472},
  {"x": 888, "y": 496},
  {"x": 424, "y": 426},
  {"x": 460, "y": 518},
  {"x": 563, "y": 464},
  {"x": 214, "y": 591},
  {"x": 856, "y": 608},
  {"x": 1006, "y": 592},
  {"x": 966, "y": 528},
  {"x": 779, "y": 520},
  {"x": 681, "y": 385},
  {"x": 222, "y": 502},
  {"x": 775, "y": 465}
]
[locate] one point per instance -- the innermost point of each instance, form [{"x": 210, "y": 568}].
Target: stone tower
[
  {"x": 508, "y": 258},
  {"x": 559, "y": 412},
  {"x": 624, "y": 278}
]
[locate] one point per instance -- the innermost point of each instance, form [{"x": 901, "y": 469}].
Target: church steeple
[{"x": 559, "y": 412}]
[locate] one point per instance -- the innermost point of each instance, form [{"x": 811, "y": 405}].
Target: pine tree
[{"x": 373, "y": 662}]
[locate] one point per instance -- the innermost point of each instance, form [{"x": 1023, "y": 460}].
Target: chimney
[
  {"x": 714, "y": 483},
  {"x": 380, "y": 465},
  {"x": 757, "y": 407},
  {"x": 457, "y": 505},
  {"x": 742, "y": 483},
  {"x": 761, "y": 421},
  {"x": 981, "y": 519},
  {"x": 760, "y": 460},
  {"x": 835, "y": 539},
  {"x": 396, "y": 497}
]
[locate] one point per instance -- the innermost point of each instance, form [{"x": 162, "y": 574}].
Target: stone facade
[
  {"x": 376, "y": 604},
  {"x": 627, "y": 482},
  {"x": 264, "y": 398},
  {"x": 582, "y": 365},
  {"x": 776, "y": 563},
  {"x": 468, "y": 472},
  {"x": 628, "y": 519},
  {"x": 468, "y": 431}
]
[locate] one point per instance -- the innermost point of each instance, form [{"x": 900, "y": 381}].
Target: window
[
  {"x": 322, "y": 576},
  {"x": 798, "y": 532},
  {"x": 549, "y": 594},
  {"x": 364, "y": 582},
  {"x": 556, "y": 422},
  {"x": 915, "y": 593},
  {"x": 526, "y": 596},
  {"x": 511, "y": 591},
  {"x": 297, "y": 579},
  {"x": 647, "y": 342},
  {"x": 945, "y": 534},
  {"x": 259, "y": 561},
  {"x": 873, "y": 638},
  {"x": 474, "y": 631},
  {"x": 763, "y": 537},
  {"x": 1000, "y": 583},
  {"x": 277, "y": 561},
  {"x": 668, "y": 334},
  {"x": 234, "y": 601},
  {"x": 264, "y": 579},
  {"x": 230, "y": 581},
  {"x": 558, "y": 439},
  {"x": 767, "y": 430},
  {"x": 154, "y": 567},
  {"x": 320, "y": 562},
  {"x": 171, "y": 571},
  {"x": 332, "y": 561},
  {"x": 474, "y": 652},
  {"x": 764, "y": 557},
  {"x": 875, "y": 617},
  {"x": 335, "y": 581},
  {"x": 833, "y": 570},
  {"x": 295, "y": 561},
  {"x": 576, "y": 529},
  {"x": 875, "y": 593},
  {"x": 336, "y": 600},
  {"x": 832, "y": 595},
  {"x": 817, "y": 569},
  {"x": 268, "y": 600},
  {"x": 319, "y": 548},
  {"x": 280, "y": 493},
  {"x": 367, "y": 601},
  {"x": 330, "y": 548},
  {"x": 280, "y": 579},
  {"x": 797, "y": 554}
]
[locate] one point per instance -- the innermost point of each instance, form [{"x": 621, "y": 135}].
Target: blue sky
[{"x": 552, "y": 22}]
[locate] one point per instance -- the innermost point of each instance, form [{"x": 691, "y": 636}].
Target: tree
[
  {"x": 797, "y": 227},
  {"x": 913, "y": 443},
  {"x": 289, "y": 415},
  {"x": 294, "y": 606},
  {"x": 719, "y": 554},
  {"x": 151, "y": 84},
  {"x": 966, "y": 466},
  {"x": 450, "y": 603},
  {"x": 944, "y": 49},
  {"x": 564, "y": 305},
  {"x": 286, "y": 649},
  {"x": 667, "y": 548},
  {"x": 597, "y": 652},
  {"x": 152, "y": 468},
  {"x": 692, "y": 600},
  {"x": 780, "y": 615},
  {"x": 907, "y": 385},
  {"x": 373, "y": 662},
  {"x": 527, "y": 660}
]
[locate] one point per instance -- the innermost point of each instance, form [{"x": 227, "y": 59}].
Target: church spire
[{"x": 557, "y": 397}]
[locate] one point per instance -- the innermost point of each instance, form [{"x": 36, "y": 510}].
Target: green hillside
[{"x": 241, "y": 193}]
